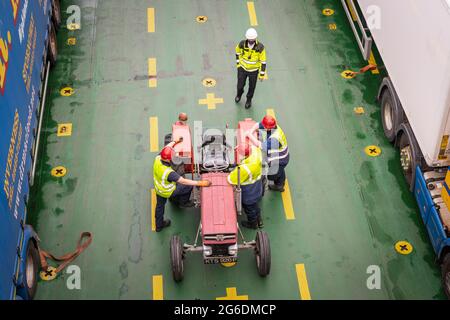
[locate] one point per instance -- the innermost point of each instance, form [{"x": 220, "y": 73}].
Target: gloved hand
[
  {"x": 261, "y": 77},
  {"x": 204, "y": 183},
  {"x": 238, "y": 65}
]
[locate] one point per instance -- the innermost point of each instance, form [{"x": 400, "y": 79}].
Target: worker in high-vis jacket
[
  {"x": 170, "y": 185},
  {"x": 250, "y": 174},
  {"x": 251, "y": 64},
  {"x": 276, "y": 150}
]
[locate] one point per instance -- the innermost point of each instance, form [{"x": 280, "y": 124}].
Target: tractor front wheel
[
  {"x": 176, "y": 258},
  {"x": 262, "y": 253}
]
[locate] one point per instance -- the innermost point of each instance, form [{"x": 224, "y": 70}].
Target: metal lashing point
[
  {"x": 403, "y": 247},
  {"x": 201, "y": 19},
  {"x": 327, "y": 12},
  {"x": 67, "y": 91},
  {"x": 72, "y": 41},
  {"x": 73, "y": 26},
  {"x": 209, "y": 82},
  {"x": 348, "y": 74},
  {"x": 59, "y": 172},
  {"x": 48, "y": 275},
  {"x": 373, "y": 151}
]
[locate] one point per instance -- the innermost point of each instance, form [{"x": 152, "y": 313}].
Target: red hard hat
[
  {"x": 166, "y": 154},
  {"x": 269, "y": 122},
  {"x": 244, "y": 150}
]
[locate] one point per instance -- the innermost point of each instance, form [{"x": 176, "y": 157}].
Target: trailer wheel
[
  {"x": 31, "y": 269},
  {"x": 391, "y": 114},
  {"x": 56, "y": 17},
  {"x": 262, "y": 253},
  {"x": 409, "y": 155},
  {"x": 176, "y": 258},
  {"x": 445, "y": 269},
  {"x": 52, "y": 47},
  {"x": 167, "y": 139}
]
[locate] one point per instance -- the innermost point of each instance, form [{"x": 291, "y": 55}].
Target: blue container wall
[{"x": 23, "y": 37}]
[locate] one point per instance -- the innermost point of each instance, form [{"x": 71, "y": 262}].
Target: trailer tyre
[
  {"x": 31, "y": 269},
  {"x": 391, "y": 114},
  {"x": 409, "y": 155},
  {"x": 56, "y": 17},
  {"x": 52, "y": 47},
  {"x": 262, "y": 253},
  {"x": 445, "y": 268},
  {"x": 176, "y": 258}
]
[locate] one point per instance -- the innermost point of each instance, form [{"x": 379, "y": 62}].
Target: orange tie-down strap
[{"x": 84, "y": 242}]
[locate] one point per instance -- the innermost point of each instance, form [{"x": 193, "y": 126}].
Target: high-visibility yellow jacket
[
  {"x": 251, "y": 59},
  {"x": 282, "y": 151},
  {"x": 251, "y": 169},
  {"x": 161, "y": 172}
]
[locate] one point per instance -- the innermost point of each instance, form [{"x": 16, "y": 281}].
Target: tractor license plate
[{"x": 220, "y": 260}]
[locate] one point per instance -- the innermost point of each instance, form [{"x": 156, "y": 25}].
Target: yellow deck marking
[
  {"x": 151, "y": 19},
  {"x": 372, "y": 151},
  {"x": 67, "y": 91},
  {"x": 210, "y": 101},
  {"x": 351, "y": 9},
  {"x": 72, "y": 41},
  {"x": 201, "y": 19},
  {"x": 374, "y": 62},
  {"x": 348, "y": 74},
  {"x": 152, "y": 82},
  {"x": 154, "y": 147},
  {"x": 232, "y": 295},
  {"x": 358, "y": 110},
  {"x": 302, "y": 282},
  {"x": 270, "y": 112},
  {"x": 158, "y": 290},
  {"x": 64, "y": 130},
  {"x": 327, "y": 12},
  {"x": 252, "y": 13},
  {"x": 73, "y": 26},
  {"x": 59, "y": 172},
  {"x": 403, "y": 247},
  {"x": 48, "y": 275},
  {"x": 287, "y": 202},
  {"x": 153, "y": 206}
]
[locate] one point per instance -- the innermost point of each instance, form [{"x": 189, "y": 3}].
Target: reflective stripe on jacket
[{"x": 251, "y": 169}]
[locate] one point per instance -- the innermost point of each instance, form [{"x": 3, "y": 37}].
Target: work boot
[
  {"x": 237, "y": 99},
  {"x": 188, "y": 204},
  {"x": 274, "y": 187},
  {"x": 166, "y": 223},
  {"x": 250, "y": 225},
  {"x": 260, "y": 222},
  {"x": 248, "y": 104}
]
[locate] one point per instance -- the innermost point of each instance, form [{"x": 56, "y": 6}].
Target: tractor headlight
[
  {"x": 207, "y": 250},
  {"x": 233, "y": 249}
]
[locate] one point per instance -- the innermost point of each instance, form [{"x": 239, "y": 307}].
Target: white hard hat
[{"x": 251, "y": 34}]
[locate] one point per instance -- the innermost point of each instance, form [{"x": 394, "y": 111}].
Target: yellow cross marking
[
  {"x": 210, "y": 101},
  {"x": 153, "y": 206},
  {"x": 64, "y": 130},
  {"x": 152, "y": 82},
  {"x": 252, "y": 13},
  {"x": 72, "y": 41},
  {"x": 232, "y": 295},
  {"x": 373, "y": 151},
  {"x": 151, "y": 20},
  {"x": 302, "y": 282},
  {"x": 158, "y": 290}
]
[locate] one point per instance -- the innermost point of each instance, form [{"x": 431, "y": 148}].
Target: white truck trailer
[{"x": 413, "y": 39}]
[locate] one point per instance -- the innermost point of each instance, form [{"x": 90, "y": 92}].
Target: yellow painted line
[
  {"x": 153, "y": 205},
  {"x": 374, "y": 62},
  {"x": 351, "y": 9},
  {"x": 151, "y": 19},
  {"x": 152, "y": 81},
  {"x": 154, "y": 147},
  {"x": 270, "y": 112},
  {"x": 287, "y": 202},
  {"x": 232, "y": 295},
  {"x": 302, "y": 282},
  {"x": 252, "y": 13},
  {"x": 158, "y": 290}
]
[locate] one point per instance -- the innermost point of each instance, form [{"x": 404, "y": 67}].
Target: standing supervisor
[
  {"x": 250, "y": 174},
  {"x": 170, "y": 185},
  {"x": 251, "y": 61},
  {"x": 276, "y": 149}
]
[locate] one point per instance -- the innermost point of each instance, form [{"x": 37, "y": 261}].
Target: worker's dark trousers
[
  {"x": 180, "y": 196},
  {"x": 242, "y": 79},
  {"x": 252, "y": 210},
  {"x": 280, "y": 177}
]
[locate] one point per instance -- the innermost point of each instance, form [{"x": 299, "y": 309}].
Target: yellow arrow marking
[
  {"x": 210, "y": 101},
  {"x": 252, "y": 13},
  {"x": 151, "y": 20},
  {"x": 152, "y": 80},
  {"x": 158, "y": 290},
  {"x": 302, "y": 282},
  {"x": 154, "y": 146},
  {"x": 232, "y": 295}
]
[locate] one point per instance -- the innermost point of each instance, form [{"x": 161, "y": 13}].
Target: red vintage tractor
[{"x": 219, "y": 204}]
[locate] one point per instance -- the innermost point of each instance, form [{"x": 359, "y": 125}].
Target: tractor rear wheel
[
  {"x": 262, "y": 253},
  {"x": 445, "y": 268},
  {"x": 176, "y": 258}
]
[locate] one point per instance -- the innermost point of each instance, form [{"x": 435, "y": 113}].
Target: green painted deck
[{"x": 350, "y": 209}]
